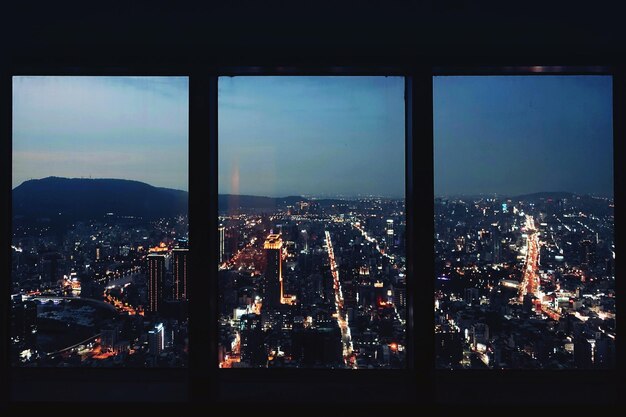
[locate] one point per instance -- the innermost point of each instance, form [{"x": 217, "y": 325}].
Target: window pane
[
  {"x": 311, "y": 208},
  {"x": 99, "y": 252},
  {"x": 524, "y": 222}
]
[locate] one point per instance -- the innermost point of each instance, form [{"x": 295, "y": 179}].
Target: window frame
[
  {"x": 85, "y": 381},
  {"x": 469, "y": 385},
  {"x": 397, "y": 385},
  {"x": 420, "y": 383}
]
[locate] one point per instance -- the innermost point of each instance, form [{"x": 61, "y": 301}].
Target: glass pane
[
  {"x": 99, "y": 252},
  {"x": 524, "y": 222},
  {"x": 311, "y": 208}
]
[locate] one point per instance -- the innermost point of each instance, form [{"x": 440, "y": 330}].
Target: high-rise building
[
  {"x": 496, "y": 250},
  {"x": 50, "y": 267},
  {"x": 587, "y": 253},
  {"x": 390, "y": 228},
  {"x": 156, "y": 339},
  {"x": 179, "y": 266},
  {"x": 273, "y": 272},
  {"x": 222, "y": 237},
  {"x": 583, "y": 358},
  {"x": 305, "y": 240},
  {"x": 156, "y": 274},
  {"x": 252, "y": 348}
]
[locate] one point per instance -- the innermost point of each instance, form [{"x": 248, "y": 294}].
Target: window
[
  {"x": 100, "y": 233},
  {"x": 524, "y": 222},
  {"x": 265, "y": 143},
  {"x": 312, "y": 222}
]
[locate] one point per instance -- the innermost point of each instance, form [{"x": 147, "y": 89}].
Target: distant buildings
[
  {"x": 274, "y": 271},
  {"x": 156, "y": 339},
  {"x": 179, "y": 266},
  {"x": 156, "y": 276},
  {"x": 323, "y": 287},
  {"x": 222, "y": 233},
  {"x": 503, "y": 304}
]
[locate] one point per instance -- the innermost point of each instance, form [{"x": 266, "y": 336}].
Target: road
[
  {"x": 342, "y": 319},
  {"x": 124, "y": 279},
  {"x": 233, "y": 260},
  {"x": 371, "y": 240},
  {"x": 530, "y": 281}
]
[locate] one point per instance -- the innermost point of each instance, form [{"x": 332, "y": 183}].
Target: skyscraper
[
  {"x": 273, "y": 273},
  {"x": 252, "y": 349},
  {"x": 390, "y": 227},
  {"x": 179, "y": 266},
  {"x": 156, "y": 339},
  {"x": 221, "y": 230},
  {"x": 156, "y": 273}
]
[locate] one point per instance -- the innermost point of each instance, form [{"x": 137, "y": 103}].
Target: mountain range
[{"x": 84, "y": 198}]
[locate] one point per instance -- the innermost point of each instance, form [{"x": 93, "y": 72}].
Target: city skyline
[
  {"x": 101, "y": 127},
  {"x": 504, "y": 123},
  {"x": 276, "y": 134},
  {"x": 100, "y": 237}
]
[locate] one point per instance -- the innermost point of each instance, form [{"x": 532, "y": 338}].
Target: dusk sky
[
  {"x": 101, "y": 127},
  {"x": 315, "y": 136},
  {"x": 513, "y": 135}
]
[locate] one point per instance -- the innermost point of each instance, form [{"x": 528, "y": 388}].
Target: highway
[
  {"x": 342, "y": 319},
  {"x": 371, "y": 240},
  {"x": 233, "y": 260},
  {"x": 530, "y": 280}
]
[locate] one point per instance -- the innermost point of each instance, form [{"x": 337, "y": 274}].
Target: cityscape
[
  {"x": 524, "y": 276},
  {"x": 312, "y": 227},
  {"x": 314, "y": 283},
  {"x": 312, "y": 261},
  {"x": 105, "y": 292},
  {"x": 100, "y": 239}
]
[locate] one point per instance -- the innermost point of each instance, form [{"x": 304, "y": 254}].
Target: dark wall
[{"x": 121, "y": 33}]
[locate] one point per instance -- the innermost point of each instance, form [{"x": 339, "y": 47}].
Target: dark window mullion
[
  {"x": 5, "y": 240},
  {"x": 420, "y": 218},
  {"x": 202, "y": 226},
  {"x": 619, "y": 133}
]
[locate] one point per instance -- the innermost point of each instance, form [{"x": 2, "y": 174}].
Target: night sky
[
  {"x": 101, "y": 127},
  {"x": 312, "y": 136},
  {"x": 513, "y": 135}
]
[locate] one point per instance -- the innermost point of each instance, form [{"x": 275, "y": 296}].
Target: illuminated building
[
  {"x": 156, "y": 273},
  {"x": 305, "y": 240},
  {"x": 274, "y": 271},
  {"x": 399, "y": 295},
  {"x": 156, "y": 339},
  {"x": 179, "y": 264},
  {"x": 222, "y": 232},
  {"x": 390, "y": 227}
]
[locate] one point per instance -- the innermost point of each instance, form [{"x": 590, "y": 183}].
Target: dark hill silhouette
[
  {"x": 555, "y": 195},
  {"x": 84, "y": 199}
]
